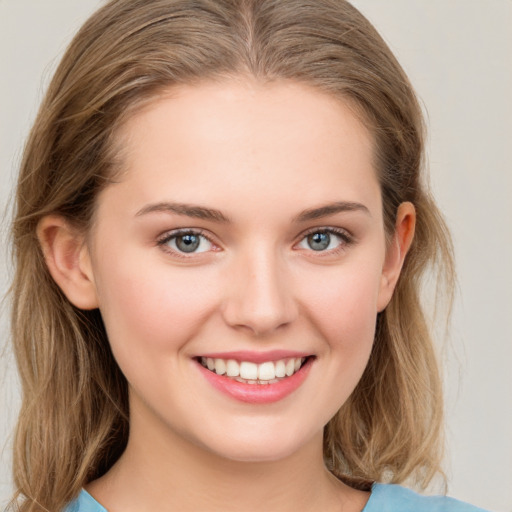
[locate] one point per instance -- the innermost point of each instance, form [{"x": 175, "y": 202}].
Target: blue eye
[
  {"x": 319, "y": 241},
  {"x": 187, "y": 242},
  {"x": 324, "y": 240}
]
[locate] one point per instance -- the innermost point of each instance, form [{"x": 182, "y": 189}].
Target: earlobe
[
  {"x": 396, "y": 253},
  {"x": 67, "y": 258}
]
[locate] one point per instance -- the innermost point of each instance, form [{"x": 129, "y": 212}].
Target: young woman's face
[{"x": 245, "y": 235}]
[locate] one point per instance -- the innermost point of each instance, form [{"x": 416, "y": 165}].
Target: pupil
[
  {"x": 187, "y": 243},
  {"x": 319, "y": 241}
]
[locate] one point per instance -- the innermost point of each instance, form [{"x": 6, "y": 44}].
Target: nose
[{"x": 260, "y": 295}]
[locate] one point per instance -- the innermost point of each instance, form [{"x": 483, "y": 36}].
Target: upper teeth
[{"x": 266, "y": 371}]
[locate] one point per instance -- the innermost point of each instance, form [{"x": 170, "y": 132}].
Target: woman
[{"x": 220, "y": 232}]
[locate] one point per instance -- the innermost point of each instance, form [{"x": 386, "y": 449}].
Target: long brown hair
[{"x": 73, "y": 423}]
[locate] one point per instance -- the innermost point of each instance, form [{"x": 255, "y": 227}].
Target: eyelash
[
  {"x": 167, "y": 237},
  {"x": 346, "y": 240}
]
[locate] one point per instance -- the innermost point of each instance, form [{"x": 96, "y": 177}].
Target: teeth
[
  {"x": 266, "y": 371},
  {"x": 232, "y": 368},
  {"x": 280, "y": 368},
  {"x": 245, "y": 371},
  {"x": 220, "y": 366},
  {"x": 248, "y": 370},
  {"x": 290, "y": 367}
]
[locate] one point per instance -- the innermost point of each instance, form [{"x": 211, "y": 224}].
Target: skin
[{"x": 262, "y": 155}]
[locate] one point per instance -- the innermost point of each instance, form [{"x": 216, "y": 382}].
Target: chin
[
  {"x": 258, "y": 446},
  {"x": 256, "y": 454}
]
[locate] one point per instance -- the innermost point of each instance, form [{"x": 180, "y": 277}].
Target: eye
[
  {"x": 186, "y": 242},
  {"x": 323, "y": 240}
]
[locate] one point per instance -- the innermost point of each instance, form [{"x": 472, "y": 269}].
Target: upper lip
[{"x": 256, "y": 357}]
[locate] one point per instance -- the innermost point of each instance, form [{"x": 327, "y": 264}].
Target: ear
[
  {"x": 68, "y": 261},
  {"x": 396, "y": 252}
]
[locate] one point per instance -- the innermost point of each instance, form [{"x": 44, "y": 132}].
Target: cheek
[
  {"x": 343, "y": 313},
  {"x": 345, "y": 308},
  {"x": 153, "y": 307}
]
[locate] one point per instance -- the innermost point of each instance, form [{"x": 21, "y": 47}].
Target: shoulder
[
  {"x": 394, "y": 498},
  {"x": 84, "y": 503}
]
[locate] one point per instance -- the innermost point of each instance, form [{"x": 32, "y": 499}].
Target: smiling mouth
[{"x": 247, "y": 372}]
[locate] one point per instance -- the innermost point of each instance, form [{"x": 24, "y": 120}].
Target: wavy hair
[{"x": 73, "y": 423}]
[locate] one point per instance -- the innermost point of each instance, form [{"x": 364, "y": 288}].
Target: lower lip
[{"x": 257, "y": 393}]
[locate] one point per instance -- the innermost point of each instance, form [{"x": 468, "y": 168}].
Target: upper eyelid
[
  {"x": 326, "y": 229},
  {"x": 167, "y": 235}
]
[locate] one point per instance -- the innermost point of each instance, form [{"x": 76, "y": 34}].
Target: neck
[{"x": 162, "y": 471}]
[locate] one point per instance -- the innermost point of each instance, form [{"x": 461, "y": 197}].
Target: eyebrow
[
  {"x": 201, "y": 212},
  {"x": 190, "y": 210},
  {"x": 331, "y": 209}
]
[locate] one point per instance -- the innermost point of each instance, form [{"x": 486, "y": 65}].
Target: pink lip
[
  {"x": 256, "y": 393},
  {"x": 256, "y": 357}
]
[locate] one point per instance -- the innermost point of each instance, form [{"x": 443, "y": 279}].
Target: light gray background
[{"x": 458, "y": 55}]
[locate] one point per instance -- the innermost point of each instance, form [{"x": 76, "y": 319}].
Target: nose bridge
[{"x": 261, "y": 296}]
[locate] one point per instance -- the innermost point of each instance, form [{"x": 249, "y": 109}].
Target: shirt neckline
[{"x": 88, "y": 498}]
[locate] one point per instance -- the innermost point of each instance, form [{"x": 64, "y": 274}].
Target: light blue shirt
[{"x": 384, "y": 498}]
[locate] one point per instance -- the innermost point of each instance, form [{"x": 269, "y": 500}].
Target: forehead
[{"x": 249, "y": 139}]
